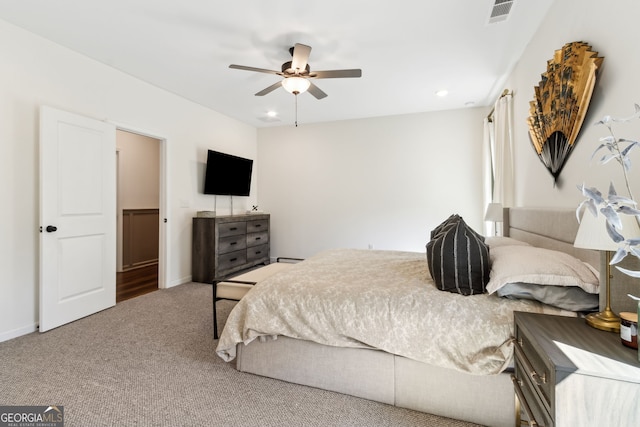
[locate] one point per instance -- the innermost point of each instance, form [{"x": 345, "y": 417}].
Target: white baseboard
[
  {"x": 180, "y": 281},
  {"x": 6, "y": 336}
]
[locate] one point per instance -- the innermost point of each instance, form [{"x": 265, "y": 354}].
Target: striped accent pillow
[
  {"x": 458, "y": 260},
  {"x": 452, "y": 220}
]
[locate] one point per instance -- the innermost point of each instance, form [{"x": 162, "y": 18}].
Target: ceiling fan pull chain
[{"x": 296, "y": 96}]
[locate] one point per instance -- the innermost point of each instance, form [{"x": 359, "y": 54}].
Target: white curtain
[
  {"x": 487, "y": 171},
  {"x": 499, "y": 185}
]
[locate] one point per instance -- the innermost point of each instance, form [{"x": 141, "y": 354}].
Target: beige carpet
[{"x": 150, "y": 361}]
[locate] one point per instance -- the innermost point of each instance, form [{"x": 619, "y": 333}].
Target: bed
[{"x": 455, "y": 364}]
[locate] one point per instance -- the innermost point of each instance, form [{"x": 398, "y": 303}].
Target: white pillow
[
  {"x": 529, "y": 264},
  {"x": 495, "y": 241}
]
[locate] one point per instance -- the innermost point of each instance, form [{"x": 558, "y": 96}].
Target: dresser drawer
[
  {"x": 231, "y": 243},
  {"x": 257, "y": 252},
  {"x": 255, "y": 239},
  {"x": 537, "y": 371},
  {"x": 232, "y": 228},
  {"x": 533, "y": 408},
  {"x": 231, "y": 260},
  {"x": 258, "y": 225}
]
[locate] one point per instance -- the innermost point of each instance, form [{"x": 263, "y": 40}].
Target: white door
[{"x": 77, "y": 217}]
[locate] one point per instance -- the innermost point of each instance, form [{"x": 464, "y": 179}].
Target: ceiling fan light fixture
[{"x": 296, "y": 85}]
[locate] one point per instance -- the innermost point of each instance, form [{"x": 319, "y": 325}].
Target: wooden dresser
[
  {"x": 227, "y": 244},
  {"x": 570, "y": 374}
]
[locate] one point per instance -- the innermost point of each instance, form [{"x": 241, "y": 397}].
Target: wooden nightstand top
[{"x": 575, "y": 347}]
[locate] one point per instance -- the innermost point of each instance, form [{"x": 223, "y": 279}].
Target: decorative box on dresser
[
  {"x": 226, "y": 244},
  {"x": 570, "y": 374}
]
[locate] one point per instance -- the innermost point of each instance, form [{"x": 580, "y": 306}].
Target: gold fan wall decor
[{"x": 560, "y": 103}]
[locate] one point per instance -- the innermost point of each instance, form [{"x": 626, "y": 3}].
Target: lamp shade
[
  {"x": 592, "y": 233},
  {"x": 494, "y": 212},
  {"x": 296, "y": 85}
]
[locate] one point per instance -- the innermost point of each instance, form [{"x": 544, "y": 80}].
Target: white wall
[
  {"x": 35, "y": 72},
  {"x": 138, "y": 171},
  {"x": 354, "y": 169},
  {"x": 608, "y": 28},
  {"x": 382, "y": 181}
]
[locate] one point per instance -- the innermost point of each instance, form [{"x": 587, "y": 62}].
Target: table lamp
[
  {"x": 494, "y": 213},
  {"x": 592, "y": 234}
]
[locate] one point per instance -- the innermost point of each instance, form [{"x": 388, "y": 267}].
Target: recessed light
[
  {"x": 442, "y": 92},
  {"x": 269, "y": 117}
]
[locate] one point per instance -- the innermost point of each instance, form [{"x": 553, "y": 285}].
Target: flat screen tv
[{"x": 227, "y": 175}]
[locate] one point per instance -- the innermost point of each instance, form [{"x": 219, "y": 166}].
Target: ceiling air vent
[{"x": 500, "y": 10}]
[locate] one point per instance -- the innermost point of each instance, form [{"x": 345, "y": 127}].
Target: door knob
[{"x": 51, "y": 228}]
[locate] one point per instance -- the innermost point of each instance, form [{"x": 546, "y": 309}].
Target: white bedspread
[{"x": 378, "y": 299}]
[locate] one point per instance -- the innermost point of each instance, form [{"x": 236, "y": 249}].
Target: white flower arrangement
[{"x": 614, "y": 205}]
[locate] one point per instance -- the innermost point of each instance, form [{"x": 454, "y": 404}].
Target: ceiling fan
[{"x": 297, "y": 73}]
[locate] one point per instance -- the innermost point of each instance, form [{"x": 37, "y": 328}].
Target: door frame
[{"x": 163, "y": 247}]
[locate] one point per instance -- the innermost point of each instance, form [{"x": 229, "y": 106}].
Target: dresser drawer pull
[
  {"x": 233, "y": 259},
  {"x": 523, "y": 402},
  {"x": 535, "y": 377},
  {"x": 233, "y": 243},
  {"x": 233, "y": 228},
  {"x": 258, "y": 252},
  {"x": 543, "y": 378},
  {"x": 258, "y": 225},
  {"x": 258, "y": 238}
]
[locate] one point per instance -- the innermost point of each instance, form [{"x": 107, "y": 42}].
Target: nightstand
[{"x": 570, "y": 374}]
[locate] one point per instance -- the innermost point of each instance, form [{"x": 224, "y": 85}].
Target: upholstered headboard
[{"x": 552, "y": 228}]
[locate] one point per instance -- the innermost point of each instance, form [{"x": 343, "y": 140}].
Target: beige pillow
[
  {"x": 495, "y": 241},
  {"x": 529, "y": 264}
]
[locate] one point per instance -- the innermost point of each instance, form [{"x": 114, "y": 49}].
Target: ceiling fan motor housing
[{"x": 288, "y": 70}]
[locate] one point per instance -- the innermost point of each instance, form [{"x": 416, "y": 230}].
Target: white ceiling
[{"x": 407, "y": 50}]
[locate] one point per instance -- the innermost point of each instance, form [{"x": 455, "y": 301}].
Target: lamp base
[{"x": 605, "y": 321}]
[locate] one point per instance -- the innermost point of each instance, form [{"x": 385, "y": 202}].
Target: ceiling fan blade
[
  {"x": 269, "y": 89},
  {"x": 316, "y": 91},
  {"x": 258, "y": 70},
  {"x": 336, "y": 74},
  {"x": 300, "y": 54}
]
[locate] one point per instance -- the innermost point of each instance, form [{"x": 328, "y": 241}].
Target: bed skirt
[{"x": 383, "y": 377}]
